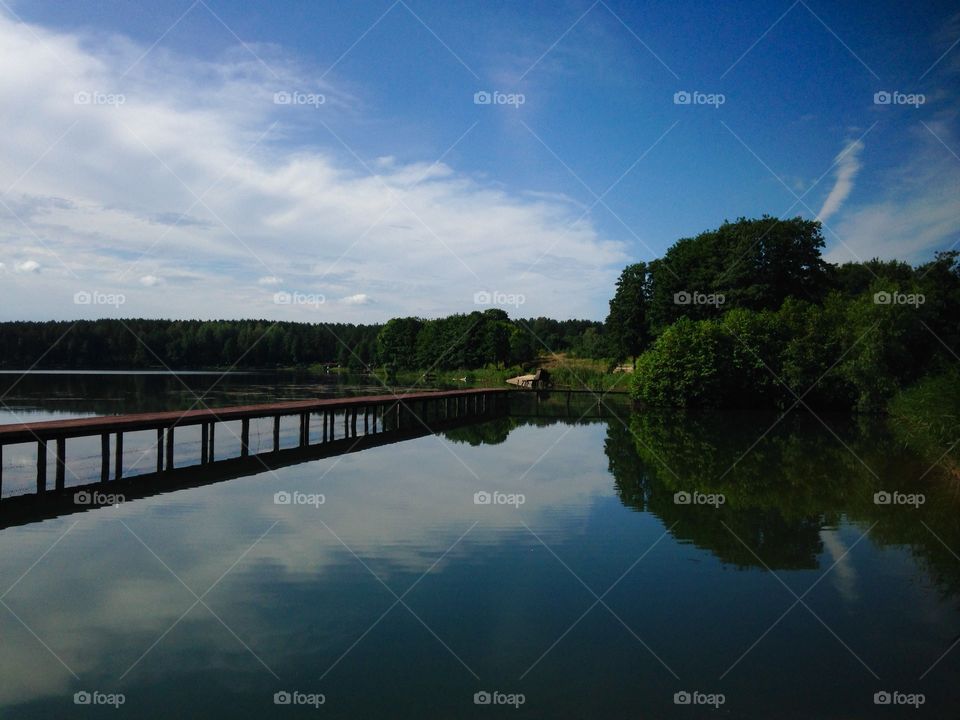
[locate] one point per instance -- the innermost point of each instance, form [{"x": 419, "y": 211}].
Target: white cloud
[
  {"x": 919, "y": 213},
  {"x": 28, "y": 266},
  {"x": 270, "y": 280},
  {"x": 413, "y": 234},
  {"x": 149, "y": 280},
  {"x": 358, "y": 299},
  {"x": 847, "y": 167}
]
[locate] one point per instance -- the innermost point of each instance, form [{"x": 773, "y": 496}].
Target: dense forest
[{"x": 472, "y": 340}]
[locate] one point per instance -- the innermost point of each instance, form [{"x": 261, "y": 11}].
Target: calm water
[{"x": 600, "y": 595}]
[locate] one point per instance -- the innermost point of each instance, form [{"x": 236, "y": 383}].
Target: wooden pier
[{"x": 379, "y": 413}]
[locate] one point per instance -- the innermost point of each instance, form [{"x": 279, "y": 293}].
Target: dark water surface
[{"x": 602, "y": 595}]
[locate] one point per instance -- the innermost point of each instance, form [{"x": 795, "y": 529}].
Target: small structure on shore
[{"x": 537, "y": 381}]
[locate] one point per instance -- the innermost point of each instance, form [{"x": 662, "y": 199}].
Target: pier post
[
  {"x": 204, "y": 443},
  {"x": 159, "y": 449},
  {"x": 41, "y": 466},
  {"x": 61, "y": 462},
  {"x": 376, "y": 410},
  {"x": 324, "y": 436},
  {"x": 353, "y": 421},
  {"x": 276, "y": 433},
  {"x": 118, "y": 457},
  {"x": 366, "y": 420},
  {"x": 169, "y": 447},
  {"x": 244, "y": 437},
  {"x": 104, "y": 457},
  {"x": 213, "y": 424}
]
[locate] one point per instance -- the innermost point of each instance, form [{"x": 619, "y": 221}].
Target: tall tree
[{"x": 627, "y": 323}]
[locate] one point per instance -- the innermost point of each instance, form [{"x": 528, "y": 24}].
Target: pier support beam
[
  {"x": 118, "y": 458},
  {"x": 169, "y": 447},
  {"x": 104, "y": 457},
  {"x": 41, "y": 466},
  {"x": 245, "y": 437},
  {"x": 61, "y": 462}
]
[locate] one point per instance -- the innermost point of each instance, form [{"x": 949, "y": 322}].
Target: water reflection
[{"x": 309, "y": 593}]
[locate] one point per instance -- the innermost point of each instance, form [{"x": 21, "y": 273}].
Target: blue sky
[{"x": 398, "y": 194}]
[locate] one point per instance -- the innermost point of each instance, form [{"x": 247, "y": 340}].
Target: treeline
[
  {"x": 750, "y": 315},
  {"x": 180, "y": 344},
  {"x": 470, "y": 341},
  {"x": 482, "y": 339}
]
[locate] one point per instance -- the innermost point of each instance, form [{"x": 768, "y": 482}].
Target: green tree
[{"x": 627, "y": 322}]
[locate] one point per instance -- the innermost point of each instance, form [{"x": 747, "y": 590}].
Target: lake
[{"x": 559, "y": 562}]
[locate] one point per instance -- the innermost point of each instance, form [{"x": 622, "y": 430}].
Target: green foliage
[
  {"x": 628, "y": 324},
  {"x": 754, "y": 264},
  {"x": 926, "y": 418},
  {"x": 846, "y": 337}
]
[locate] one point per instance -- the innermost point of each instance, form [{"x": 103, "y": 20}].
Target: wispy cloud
[
  {"x": 847, "y": 167},
  {"x": 920, "y": 209}
]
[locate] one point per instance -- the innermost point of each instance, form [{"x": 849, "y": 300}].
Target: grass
[{"x": 926, "y": 417}]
